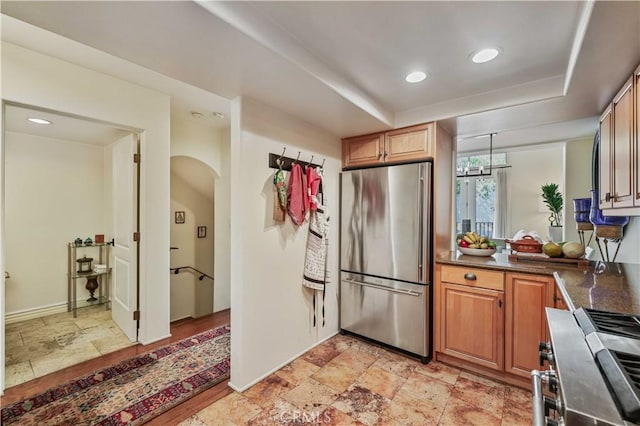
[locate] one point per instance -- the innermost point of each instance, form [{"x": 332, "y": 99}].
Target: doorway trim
[{"x": 138, "y": 133}]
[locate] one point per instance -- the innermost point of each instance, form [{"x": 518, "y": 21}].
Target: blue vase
[
  {"x": 597, "y": 218},
  {"x": 581, "y": 209}
]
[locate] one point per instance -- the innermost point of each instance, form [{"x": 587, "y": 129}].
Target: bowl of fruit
[{"x": 475, "y": 245}]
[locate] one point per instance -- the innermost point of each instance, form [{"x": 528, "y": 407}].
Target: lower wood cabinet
[
  {"x": 526, "y": 325},
  {"x": 492, "y": 321},
  {"x": 472, "y": 324},
  {"x": 558, "y": 300}
]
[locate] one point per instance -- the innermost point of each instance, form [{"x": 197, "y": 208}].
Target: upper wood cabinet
[
  {"x": 636, "y": 144},
  {"x": 412, "y": 143},
  {"x": 395, "y": 146},
  {"x": 619, "y": 175},
  {"x": 622, "y": 146},
  {"x": 606, "y": 132},
  {"x": 363, "y": 150},
  {"x": 525, "y": 320}
]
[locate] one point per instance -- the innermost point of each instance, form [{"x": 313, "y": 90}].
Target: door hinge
[
  {"x": 136, "y": 236},
  {"x": 136, "y": 315},
  {"x": 136, "y": 158}
]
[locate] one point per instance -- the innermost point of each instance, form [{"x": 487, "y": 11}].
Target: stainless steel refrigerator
[{"x": 385, "y": 256}]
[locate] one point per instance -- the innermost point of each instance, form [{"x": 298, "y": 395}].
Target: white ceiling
[
  {"x": 341, "y": 65},
  {"x": 62, "y": 127}
]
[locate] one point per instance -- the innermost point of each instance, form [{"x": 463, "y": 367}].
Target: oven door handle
[{"x": 537, "y": 398}]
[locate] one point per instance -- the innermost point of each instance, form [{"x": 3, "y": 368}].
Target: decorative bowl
[
  {"x": 477, "y": 252},
  {"x": 527, "y": 244}
]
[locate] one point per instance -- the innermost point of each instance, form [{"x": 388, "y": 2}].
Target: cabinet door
[
  {"x": 525, "y": 323},
  {"x": 636, "y": 168},
  {"x": 605, "y": 160},
  {"x": 411, "y": 143},
  {"x": 558, "y": 300},
  {"x": 622, "y": 147},
  {"x": 362, "y": 150},
  {"x": 472, "y": 324}
]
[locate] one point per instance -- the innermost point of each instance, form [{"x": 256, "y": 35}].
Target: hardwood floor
[{"x": 179, "y": 330}]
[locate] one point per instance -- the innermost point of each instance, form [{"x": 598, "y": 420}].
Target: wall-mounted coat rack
[{"x": 280, "y": 161}]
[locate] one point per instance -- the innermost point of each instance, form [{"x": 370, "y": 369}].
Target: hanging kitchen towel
[
  {"x": 315, "y": 262},
  {"x": 279, "y": 213},
  {"x": 279, "y": 196},
  {"x": 298, "y": 201},
  {"x": 313, "y": 186}
]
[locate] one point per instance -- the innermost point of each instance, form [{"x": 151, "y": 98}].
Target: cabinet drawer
[{"x": 473, "y": 277}]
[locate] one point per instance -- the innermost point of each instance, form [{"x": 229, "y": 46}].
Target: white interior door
[{"x": 125, "y": 249}]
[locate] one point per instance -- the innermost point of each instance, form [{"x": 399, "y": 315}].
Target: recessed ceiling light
[
  {"x": 38, "y": 120},
  {"x": 485, "y": 55},
  {"x": 217, "y": 114},
  {"x": 415, "y": 77}
]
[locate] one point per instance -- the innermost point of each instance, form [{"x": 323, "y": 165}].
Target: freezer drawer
[{"x": 391, "y": 312}]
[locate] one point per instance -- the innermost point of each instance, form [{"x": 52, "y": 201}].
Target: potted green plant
[{"x": 552, "y": 197}]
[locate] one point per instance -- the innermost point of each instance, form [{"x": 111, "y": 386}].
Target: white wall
[
  {"x": 39, "y": 80},
  {"x": 577, "y": 184},
  {"x": 191, "y": 297},
  {"x": 222, "y": 231},
  {"x": 532, "y": 168},
  {"x": 270, "y": 308},
  {"x": 630, "y": 245},
  {"x": 54, "y": 193}
]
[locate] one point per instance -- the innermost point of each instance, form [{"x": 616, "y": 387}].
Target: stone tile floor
[
  {"x": 346, "y": 381},
  {"x": 36, "y": 347}
]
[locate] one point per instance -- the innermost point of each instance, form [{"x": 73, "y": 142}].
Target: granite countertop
[
  {"x": 603, "y": 286},
  {"x": 611, "y": 287}
]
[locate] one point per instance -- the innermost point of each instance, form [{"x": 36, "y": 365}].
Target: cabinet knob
[
  {"x": 379, "y": 155},
  {"x": 386, "y": 154},
  {"x": 607, "y": 197},
  {"x": 469, "y": 276}
]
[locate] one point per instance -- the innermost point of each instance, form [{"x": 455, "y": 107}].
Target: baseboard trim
[
  {"x": 28, "y": 314},
  {"x": 241, "y": 389}
]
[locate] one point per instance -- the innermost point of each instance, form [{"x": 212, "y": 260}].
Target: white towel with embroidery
[{"x": 315, "y": 262}]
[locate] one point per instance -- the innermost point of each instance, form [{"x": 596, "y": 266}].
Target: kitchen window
[{"x": 477, "y": 193}]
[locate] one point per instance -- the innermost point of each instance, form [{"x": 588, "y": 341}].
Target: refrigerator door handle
[
  {"x": 421, "y": 212},
  {"x": 381, "y": 287}
]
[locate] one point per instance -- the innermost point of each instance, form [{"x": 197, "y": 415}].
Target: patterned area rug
[{"x": 135, "y": 390}]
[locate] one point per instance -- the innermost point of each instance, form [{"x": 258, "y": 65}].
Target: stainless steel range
[{"x": 594, "y": 375}]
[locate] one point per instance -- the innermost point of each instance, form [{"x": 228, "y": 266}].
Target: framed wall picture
[
  {"x": 202, "y": 231},
  {"x": 179, "y": 217}
]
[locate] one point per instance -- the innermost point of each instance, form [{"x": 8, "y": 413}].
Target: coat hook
[
  {"x": 279, "y": 160},
  {"x": 298, "y": 157},
  {"x": 311, "y": 161},
  {"x": 322, "y": 165}
]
